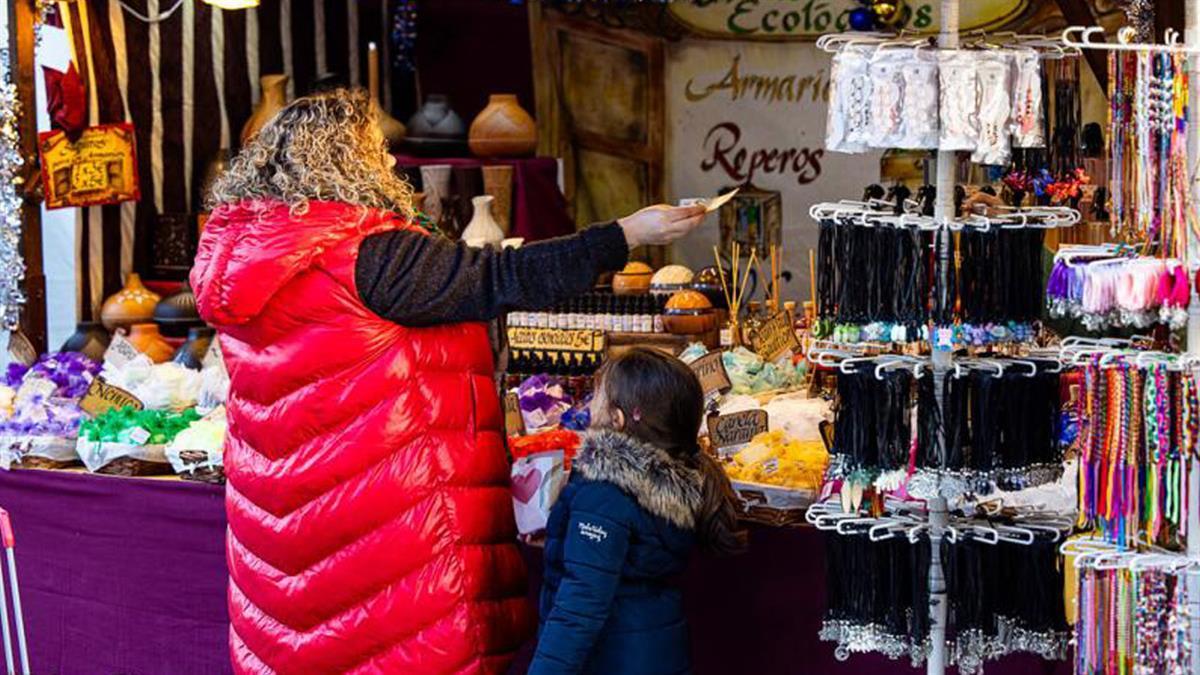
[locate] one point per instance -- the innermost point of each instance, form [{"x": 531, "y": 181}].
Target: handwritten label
[
  {"x": 514, "y": 424},
  {"x": 102, "y": 396},
  {"x": 774, "y": 338},
  {"x": 711, "y": 371},
  {"x": 21, "y": 349},
  {"x": 556, "y": 339},
  {"x": 139, "y": 436},
  {"x": 120, "y": 352},
  {"x": 736, "y": 428}
]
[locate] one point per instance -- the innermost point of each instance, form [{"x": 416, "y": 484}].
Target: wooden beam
[
  {"x": 21, "y": 48},
  {"x": 1079, "y": 13}
]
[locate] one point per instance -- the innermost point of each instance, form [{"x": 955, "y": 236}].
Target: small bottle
[
  {"x": 660, "y": 306},
  {"x": 541, "y": 318},
  {"x": 606, "y": 314},
  {"x": 646, "y": 315},
  {"x": 573, "y": 313}
]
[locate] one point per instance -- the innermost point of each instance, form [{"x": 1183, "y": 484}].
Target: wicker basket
[
  {"x": 37, "y": 452},
  {"x": 34, "y": 462},
  {"x": 773, "y": 505},
  {"x": 121, "y": 459},
  {"x": 212, "y": 474},
  {"x": 130, "y": 466}
]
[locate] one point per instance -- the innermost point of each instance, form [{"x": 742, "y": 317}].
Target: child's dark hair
[{"x": 663, "y": 405}]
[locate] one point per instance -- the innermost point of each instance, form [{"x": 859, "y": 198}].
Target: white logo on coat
[{"x": 593, "y": 532}]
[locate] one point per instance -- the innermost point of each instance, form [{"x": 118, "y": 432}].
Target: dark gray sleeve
[{"x": 419, "y": 280}]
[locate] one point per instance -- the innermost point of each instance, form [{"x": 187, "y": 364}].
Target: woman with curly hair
[{"x": 370, "y": 520}]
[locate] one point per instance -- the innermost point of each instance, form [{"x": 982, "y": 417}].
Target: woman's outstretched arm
[{"x": 418, "y": 280}]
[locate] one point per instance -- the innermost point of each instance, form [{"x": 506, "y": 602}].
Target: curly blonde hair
[{"x": 324, "y": 147}]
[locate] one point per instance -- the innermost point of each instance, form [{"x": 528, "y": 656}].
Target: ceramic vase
[
  {"x": 436, "y": 181},
  {"x": 146, "y": 339},
  {"x": 132, "y": 304},
  {"x": 483, "y": 230},
  {"x": 466, "y": 183},
  {"x": 89, "y": 339},
  {"x": 503, "y": 129},
  {"x": 191, "y": 353},
  {"x": 498, "y": 182},
  {"x": 274, "y": 98},
  {"x": 177, "y": 314},
  {"x": 436, "y": 130},
  {"x": 392, "y": 128}
]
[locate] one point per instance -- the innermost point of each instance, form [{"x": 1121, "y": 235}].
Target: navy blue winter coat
[{"x": 622, "y": 528}]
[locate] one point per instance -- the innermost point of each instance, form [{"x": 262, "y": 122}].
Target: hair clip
[{"x": 637, "y": 414}]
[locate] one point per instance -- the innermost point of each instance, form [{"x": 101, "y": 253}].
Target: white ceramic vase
[{"x": 483, "y": 230}]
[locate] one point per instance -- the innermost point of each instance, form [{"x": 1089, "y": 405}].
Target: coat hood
[
  {"x": 661, "y": 484},
  {"x": 252, "y": 249}
]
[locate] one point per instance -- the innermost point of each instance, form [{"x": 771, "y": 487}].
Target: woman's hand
[{"x": 660, "y": 224}]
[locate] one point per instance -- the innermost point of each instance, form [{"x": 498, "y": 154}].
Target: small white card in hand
[{"x": 709, "y": 205}]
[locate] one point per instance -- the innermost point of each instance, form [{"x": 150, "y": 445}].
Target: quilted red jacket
[{"x": 370, "y": 520}]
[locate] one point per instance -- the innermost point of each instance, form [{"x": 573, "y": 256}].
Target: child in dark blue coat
[{"x": 642, "y": 496}]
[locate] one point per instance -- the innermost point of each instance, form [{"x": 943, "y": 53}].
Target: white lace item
[
  {"x": 959, "y": 100},
  {"x": 994, "y": 70}
]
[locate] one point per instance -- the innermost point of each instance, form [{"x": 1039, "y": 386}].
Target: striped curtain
[{"x": 188, "y": 83}]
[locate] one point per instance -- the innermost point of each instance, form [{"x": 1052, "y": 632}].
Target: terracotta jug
[
  {"x": 483, "y": 230},
  {"x": 503, "y": 129},
  {"x": 89, "y": 339},
  {"x": 132, "y": 304},
  {"x": 498, "y": 182},
  {"x": 146, "y": 339},
  {"x": 274, "y": 98}
]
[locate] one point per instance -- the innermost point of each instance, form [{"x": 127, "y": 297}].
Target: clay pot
[
  {"x": 503, "y": 129},
  {"x": 177, "y": 314},
  {"x": 689, "y": 312},
  {"x": 633, "y": 280},
  {"x": 146, "y": 339},
  {"x": 435, "y": 130},
  {"x": 435, "y": 181},
  {"x": 212, "y": 171},
  {"x": 274, "y": 98},
  {"x": 132, "y": 304},
  {"x": 669, "y": 279},
  {"x": 498, "y": 182},
  {"x": 89, "y": 338},
  {"x": 466, "y": 183},
  {"x": 483, "y": 230},
  {"x": 191, "y": 353}
]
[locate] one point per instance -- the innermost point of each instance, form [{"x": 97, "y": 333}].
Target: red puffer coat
[{"x": 370, "y": 519}]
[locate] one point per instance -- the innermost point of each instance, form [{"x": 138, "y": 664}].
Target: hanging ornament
[
  {"x": 1139, "y": 14},
  {"x": 862, "y": 19},
  {"x": 12, "y": 267},
  {"x": 404, "y": 35},
  {"x": 889, "y": 13}
]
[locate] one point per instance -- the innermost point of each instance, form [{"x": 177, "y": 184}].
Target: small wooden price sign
[
  {"x": 710, "y": 369},
  {"x": 736, "y": 429},
  {"x": 774, "y": 337},
  {"x": 555, "y": 339},
  {"x": 102, "y": 397},
  {"x": 514, "y": 424}
]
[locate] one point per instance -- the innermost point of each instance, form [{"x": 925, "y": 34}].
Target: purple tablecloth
[
  {"x": 539, "y": 207},
  {"x": 127, "y": 577}
]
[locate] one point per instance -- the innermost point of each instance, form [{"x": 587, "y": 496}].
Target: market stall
[{"x": 936, "y": 469}]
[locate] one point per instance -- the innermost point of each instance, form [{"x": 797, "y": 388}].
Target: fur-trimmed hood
[{"x": 664, "y": 486}]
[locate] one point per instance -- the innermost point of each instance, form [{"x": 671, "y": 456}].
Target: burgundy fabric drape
[{"x": 128, "y": 576}]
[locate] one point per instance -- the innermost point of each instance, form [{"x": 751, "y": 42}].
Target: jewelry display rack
[
  {"x": 1084, "y": 38},
  {"x": 937, "y": 514}
]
